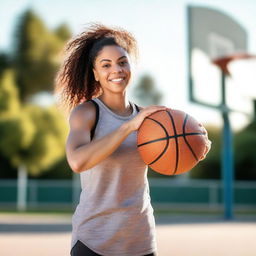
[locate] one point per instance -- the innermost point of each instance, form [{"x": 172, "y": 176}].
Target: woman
[{"x": 114, "y": 216}]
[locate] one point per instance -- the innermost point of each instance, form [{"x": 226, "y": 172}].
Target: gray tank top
[{"x": 114, "y": 216}]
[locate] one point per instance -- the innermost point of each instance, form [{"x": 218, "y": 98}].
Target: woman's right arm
[{"x": 82, "y": 153}]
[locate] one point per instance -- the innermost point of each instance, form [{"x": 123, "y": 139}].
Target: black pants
[{"x": 80, "y": 249}]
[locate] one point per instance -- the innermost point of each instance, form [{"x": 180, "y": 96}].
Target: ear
[{"x": 95, "y": 75}]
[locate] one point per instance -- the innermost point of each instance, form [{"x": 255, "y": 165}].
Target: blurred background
[{"x": 174, "y": 69}]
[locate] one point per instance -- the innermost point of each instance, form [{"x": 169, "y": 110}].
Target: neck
[{"x": 118, "y": 104}]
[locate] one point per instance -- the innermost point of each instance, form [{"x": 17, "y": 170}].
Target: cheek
[
  {"x": 129, "y": 73},
  {"x": 100, "y": 75},
  {"x": 127, "y": 70},
  {"x": 103, "y": 75}
]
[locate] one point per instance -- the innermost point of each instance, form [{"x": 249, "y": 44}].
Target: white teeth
[{"x": 117, "y": 79}]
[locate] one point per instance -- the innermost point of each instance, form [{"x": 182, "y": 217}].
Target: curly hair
[{"x": 75, "y": 80}]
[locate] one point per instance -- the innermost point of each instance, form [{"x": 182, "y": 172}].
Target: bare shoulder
[{"x": 83, "y": 115}]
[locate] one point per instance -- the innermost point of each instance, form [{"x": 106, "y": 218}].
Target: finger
[{"x": 208, "y": 147}]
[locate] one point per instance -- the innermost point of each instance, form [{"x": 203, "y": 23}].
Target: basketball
[{"x": 171, "y": 142}]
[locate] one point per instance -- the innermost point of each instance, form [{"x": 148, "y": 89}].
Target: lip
[{"x": 117, "y": 79}]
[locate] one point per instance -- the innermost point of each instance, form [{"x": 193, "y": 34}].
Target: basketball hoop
[{"x": 223, "y": 62}]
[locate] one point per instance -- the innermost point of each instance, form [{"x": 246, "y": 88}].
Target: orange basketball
[{"x": 171, "y": 142}]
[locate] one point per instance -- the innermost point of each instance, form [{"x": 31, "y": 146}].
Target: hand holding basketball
[
  {"x": 136, "y": 122},
  {"x": 172, "y": 142}
]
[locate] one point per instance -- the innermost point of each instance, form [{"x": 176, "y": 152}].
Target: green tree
[
  {"x": 48, "y": 144},
  {"x": 9, "y": 106},
  {"x": 9, "y": 98},
  {"x": 63, "y": 32},
  {"x": 16, "y": 127},
  {"x": 4, "y": 62},
  {"x": 29, "y": 134},
  {"x": 32, "y": 138},
  {"x": 37, "y": 54}
]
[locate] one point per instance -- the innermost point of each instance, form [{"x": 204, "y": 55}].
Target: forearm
[{"x": 89, "y": 155}]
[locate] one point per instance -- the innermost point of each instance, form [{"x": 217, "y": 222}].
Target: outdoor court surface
[{"x": 49, "y": 235}]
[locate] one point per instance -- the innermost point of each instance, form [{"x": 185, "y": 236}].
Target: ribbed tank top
[{"x": 114, "y": 216}]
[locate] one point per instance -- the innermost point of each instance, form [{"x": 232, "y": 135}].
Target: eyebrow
[{"x": 110, "y": 60}]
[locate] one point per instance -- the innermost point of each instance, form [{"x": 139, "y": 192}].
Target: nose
[{"x": 117, "y": 69}]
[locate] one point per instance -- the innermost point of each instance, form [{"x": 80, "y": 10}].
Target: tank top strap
[
  {"x": 96, "y": 103},
  {"x": 137, "y": 107},
  {"x": 96, "y": 118}
]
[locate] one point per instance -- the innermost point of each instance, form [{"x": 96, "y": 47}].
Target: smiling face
[{"x": 112, "y": 69}]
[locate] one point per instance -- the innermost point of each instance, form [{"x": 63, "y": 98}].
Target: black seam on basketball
[
  {"x": 185, "y": 139},
  {"x": 172, "y": 137},
  {"x": 167, "y": 141},
  {"x": 176, "y": 141}
]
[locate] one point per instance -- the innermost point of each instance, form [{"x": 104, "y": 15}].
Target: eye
[
  {"x": 106, "y": 65},
  {"x": 123, "y": 63}
]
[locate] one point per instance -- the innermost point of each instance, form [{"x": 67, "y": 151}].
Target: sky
[{"x": 161, "y": 31}]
